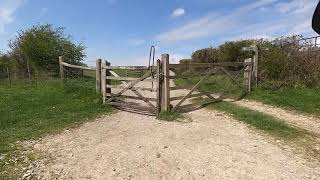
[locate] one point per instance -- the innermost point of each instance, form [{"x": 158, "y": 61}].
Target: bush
[{"x": 282, "y": 63}]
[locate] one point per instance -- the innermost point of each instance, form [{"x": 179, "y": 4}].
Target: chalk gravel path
[{"x": 211, "y": 145}]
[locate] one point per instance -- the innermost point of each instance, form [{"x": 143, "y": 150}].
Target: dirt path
[
  {"x": 131, "y": 146},
  {"x": 308, "y": 123}
]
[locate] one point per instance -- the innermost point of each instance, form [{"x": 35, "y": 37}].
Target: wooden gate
[
  {"x": 210, "y": 69},
  {"x": 140, "y": 94},
  {"x": 150, "y": 92}
]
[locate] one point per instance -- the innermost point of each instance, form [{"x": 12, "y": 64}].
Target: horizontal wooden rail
[
  {"x": 209, "y": 65},
  {"x": 133, "y": 88},
  {"x": 138, "y": 98},
  {"x": 78, "y": 67},
  {"x": 191, "y": 96},
  {"x": 121, "y": 78},
  {"x": 127, "y": 67},
  {"x": 127, "y": 79}
]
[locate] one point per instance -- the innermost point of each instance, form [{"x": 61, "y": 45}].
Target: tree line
[
  {"x": 286, "y": 61},
  {"x": 36, "y": 50}
]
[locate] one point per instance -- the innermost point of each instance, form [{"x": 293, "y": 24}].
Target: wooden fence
[{"x": 114, "y": 94}]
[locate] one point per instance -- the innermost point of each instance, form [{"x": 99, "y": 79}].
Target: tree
[
  {"x": 232, "y": 51},
  {"x": 207, "y": 55},
  {"x": 41, "y": 45}
]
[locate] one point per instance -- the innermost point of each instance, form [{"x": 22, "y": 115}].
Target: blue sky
[{"x": 122, "y": 31}]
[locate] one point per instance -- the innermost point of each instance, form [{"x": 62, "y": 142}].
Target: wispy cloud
[
  {"x": 7, "y": 10},
  {"x": 291, "y": 17},
  {"x": 178, "y": 12}
]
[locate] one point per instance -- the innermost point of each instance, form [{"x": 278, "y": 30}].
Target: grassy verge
[
  {"x": 259, "y": 120},
  {"x": 170, "y": 116},
  {"x": 31, "y": 110},
  {"x": 299, "y": 139},
  {"x": 306, "y": 100}
]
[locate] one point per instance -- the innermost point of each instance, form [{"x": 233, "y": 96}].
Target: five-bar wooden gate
[{"x": 125, "y": 92}]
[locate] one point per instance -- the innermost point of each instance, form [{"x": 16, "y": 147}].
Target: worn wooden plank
[
  {"x": 137, "y": 98},
  {"x": 8, "y": 75},
  {"x": 108, "y": 81},
  {"x": 77, "y": 67},
  {"x": 127, "y": 79},
  {"x": 191, "y": 91},
  {"x": 133, "y": 88},
  {"x": 191, "y": 96},
  {"x": 103, "y": 82},
  {"x": 209, "y": 65},
  {"x": 165, "y": 101},
  {"x": 158, "y": 87},
  {"x": 126, "y": 67},
  {"x": 98, "y": 76},
  {"x": 61, "y": 67},
  {"x": 129, "y": 86},
  {"x": 121, "y": 78}
]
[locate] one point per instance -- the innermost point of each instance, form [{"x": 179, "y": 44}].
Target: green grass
[
  {"x": 170, "y": 116},
  {"x": 306, "y": 100},
  {"x": 258, "y": 120},
  {"x": 32, "y": 109},
  {"x": 304, "y": 142}
]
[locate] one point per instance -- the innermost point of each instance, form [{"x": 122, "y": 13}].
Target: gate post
[
  {"x": 165, "y": 93},
  {"x": 61, "y": 67},
  {"x": 103, "y": 81},
  {"x": 159, "y": 88},
  {"x": 255, "y": 66},
  {"x": 108, "y": 81},
  {"x": 248, "y": 74},
  {"x": 98, "y": 76}
]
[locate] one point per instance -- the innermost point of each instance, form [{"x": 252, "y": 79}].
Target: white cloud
[
  {"x": 178, "y": 12},
  {"x": 282, "y": 18},
  {"x": 7, "y": 10}
]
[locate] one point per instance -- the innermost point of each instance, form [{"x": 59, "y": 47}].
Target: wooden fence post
[
  {"x": 248, "y": 74},
  {"x": 103, "y": 81},
  {"x": 165, "y": 93},
  {"x": 108, "y": 81},
  {"x": 98, "y": 76},
  {"x": 158, "y": 86},
  {"x": 61, "y": 67},
  {"x": 8, "y": 73},
  {"x": 28, "y": 69},
  {"x": 255, "y": 66}
]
